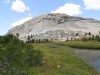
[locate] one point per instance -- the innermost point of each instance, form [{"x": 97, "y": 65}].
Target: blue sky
[{"x": 15, "y": 12}]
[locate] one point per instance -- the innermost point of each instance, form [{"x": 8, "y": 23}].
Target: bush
[{"x": 16, "y": 56}]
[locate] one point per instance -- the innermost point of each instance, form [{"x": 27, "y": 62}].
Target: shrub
[{"x": 16, "y": 56}]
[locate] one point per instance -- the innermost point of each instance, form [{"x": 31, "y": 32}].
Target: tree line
[
  {"x": 31, "y": 40},
  {"x": 87, "y": 37}
]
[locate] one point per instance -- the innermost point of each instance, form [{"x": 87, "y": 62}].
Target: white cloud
[
  {"x": 6, "y": 1},
  {"x": 92, "y": 4},
  {"x": 29, "y": 14},
  {"x": 21, "y": 21},
  {"x": 19, "y": 6},
  {"x": 68, "y": 8}
]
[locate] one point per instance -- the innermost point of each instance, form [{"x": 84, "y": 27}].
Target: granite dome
[{"x": 56, "y": 26}]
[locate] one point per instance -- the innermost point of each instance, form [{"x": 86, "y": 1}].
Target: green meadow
[
  {"x": 81, "y": 45},
  {"x": 49, "y": 58},
  {"x": 59, "y": 59}
]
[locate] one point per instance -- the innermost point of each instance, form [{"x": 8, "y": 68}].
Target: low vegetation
[
  {"x": 81, "y": 45},
  {"x": 61, "y": 60},
  {"x": 49, "y": 58},
  {"x": 16, "y": 56}
]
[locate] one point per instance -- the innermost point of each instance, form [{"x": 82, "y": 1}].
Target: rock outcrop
[{"x": 56, "y": 26}]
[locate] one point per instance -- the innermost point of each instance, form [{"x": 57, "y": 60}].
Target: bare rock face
[{"x": 56, "y": 26}]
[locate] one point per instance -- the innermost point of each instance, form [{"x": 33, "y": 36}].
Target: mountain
[{"x": 56, "y": 26}]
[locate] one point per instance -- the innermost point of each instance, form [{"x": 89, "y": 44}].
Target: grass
[
  {"x": 0, "y": 45},
  {"x": 60, "y": 60},
  {"x": 81, "y": 45}
]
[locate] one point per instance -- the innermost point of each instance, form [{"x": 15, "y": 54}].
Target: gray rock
[{"x": 56, "y": 26}]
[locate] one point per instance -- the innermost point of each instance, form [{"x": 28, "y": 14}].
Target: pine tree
[
  {"x": 93, "y": 38},
  {"x": 31, "y": 36},
  {"x": 39, "y": 41},
  {"x": 97, "y": 37},
  {"x": 77, "y": 34},
  {"x": 33, "y": 41},
  {"x": 17, "y": 35},
  {"x": 28, "y": 39},
  {"x": 67, "y": 40},
  {"x": 89, "y": 33},
  {"x": 46, "y": 40}
]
